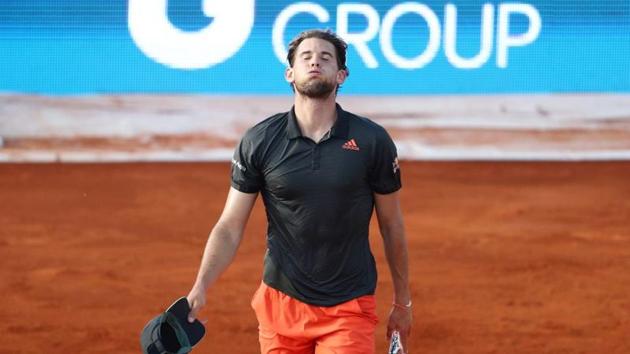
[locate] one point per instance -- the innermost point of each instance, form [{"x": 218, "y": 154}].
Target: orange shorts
[{"x": 289, "y": 326}]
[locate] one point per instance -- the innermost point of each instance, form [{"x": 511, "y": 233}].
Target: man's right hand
[{"x": 196, "y": 300}]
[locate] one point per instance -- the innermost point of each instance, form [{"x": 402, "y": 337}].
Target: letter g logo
[{"x": 156, "y": 36}]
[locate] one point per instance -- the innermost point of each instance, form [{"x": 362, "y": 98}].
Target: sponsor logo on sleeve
[
  {"x": 238, "y": 165},
  {"x": 395, "y": 165}
]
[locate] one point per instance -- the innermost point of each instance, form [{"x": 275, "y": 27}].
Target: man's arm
[
  {"x": 221, "y": 246},
  {"x": 393, "y": 232}
]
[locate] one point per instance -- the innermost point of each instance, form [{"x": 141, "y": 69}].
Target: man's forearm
[
  {"x": 218, "y": 254},
  {"x": 396, "y": 254}
]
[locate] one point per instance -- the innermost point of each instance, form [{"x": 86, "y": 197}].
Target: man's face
[{"x": 315, "y": 73}]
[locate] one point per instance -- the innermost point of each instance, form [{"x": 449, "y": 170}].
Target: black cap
[{"x": 170, "y": 332}]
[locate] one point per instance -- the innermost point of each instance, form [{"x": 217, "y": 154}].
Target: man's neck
[{"x": 315, "y": 116}]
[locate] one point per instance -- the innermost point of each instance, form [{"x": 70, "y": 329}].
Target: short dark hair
[{"x": 327, "y": 35}]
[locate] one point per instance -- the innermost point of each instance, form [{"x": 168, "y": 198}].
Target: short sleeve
[
  {"x": 245, "y": 175},
  {"x": 384, "y": 177}
]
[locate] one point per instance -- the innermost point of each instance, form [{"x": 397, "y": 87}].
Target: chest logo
[{"x": 351, "y": 145}]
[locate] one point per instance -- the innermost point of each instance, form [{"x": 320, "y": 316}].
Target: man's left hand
[{"x": 400, "y": 320}]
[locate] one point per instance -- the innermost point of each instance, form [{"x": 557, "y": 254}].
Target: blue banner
[{"x": 238, "y": 46}]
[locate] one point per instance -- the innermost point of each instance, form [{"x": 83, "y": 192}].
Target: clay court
[{"x": 508, "y": 257}]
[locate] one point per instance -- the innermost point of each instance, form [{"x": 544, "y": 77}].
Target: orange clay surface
[{"x": 504, "y": 257}]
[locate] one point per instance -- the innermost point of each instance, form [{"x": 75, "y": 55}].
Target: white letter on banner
[
  {"x": 157, "y": 38},
  {"x": 359, "y": 39},
  {"x": 277, "y": 35},
  {"x": 386, "y": 35},
  {"x": 450, "y": 38},
  {"x": 504, "y": 40}
]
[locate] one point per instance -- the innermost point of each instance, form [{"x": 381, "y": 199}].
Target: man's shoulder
[
  {"x": 365, "y": 125},
  {"x": 261, "y": 129}
]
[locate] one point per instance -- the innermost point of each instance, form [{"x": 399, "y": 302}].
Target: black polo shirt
[{"x": 319, "y": 200}]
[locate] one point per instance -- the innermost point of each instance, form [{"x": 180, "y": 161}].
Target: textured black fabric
[{"x": 319, "y": 199}]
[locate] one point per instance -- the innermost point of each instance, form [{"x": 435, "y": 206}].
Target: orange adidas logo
[{"x": 351, "y": 145}]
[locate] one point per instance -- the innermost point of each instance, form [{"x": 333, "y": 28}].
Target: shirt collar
[{"x": 338, "y": 130}]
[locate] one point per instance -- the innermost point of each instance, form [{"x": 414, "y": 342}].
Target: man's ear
[
  {"x": 341, "y": 76},
  {"x": 288, "y": 75}
]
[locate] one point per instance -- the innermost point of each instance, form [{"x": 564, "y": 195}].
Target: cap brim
[
  {"x": 180, "y": 309},
  {"x": 146, "y": 337}
]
